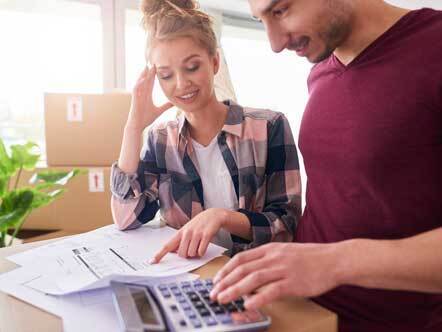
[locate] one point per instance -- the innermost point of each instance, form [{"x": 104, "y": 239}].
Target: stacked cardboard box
[{"x": 84, "y": 132}]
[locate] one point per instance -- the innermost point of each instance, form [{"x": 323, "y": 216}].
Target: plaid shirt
[{"x": 260, "y": 154}]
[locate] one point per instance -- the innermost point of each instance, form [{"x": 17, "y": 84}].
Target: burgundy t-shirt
[{"x": 371, "y": 139}]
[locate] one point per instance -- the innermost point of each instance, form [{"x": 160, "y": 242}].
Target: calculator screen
[{"x": 143, "y": 305}]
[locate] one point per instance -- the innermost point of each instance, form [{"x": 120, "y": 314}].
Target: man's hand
[
  {"x": 275, "y": 270},
  {"x": 193, "y": 238}
]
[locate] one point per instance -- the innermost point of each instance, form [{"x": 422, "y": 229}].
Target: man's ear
[{"x": 216, "y": 63}]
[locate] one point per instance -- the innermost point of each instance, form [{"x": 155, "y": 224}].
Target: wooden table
[{"x": 294, "y": 314}]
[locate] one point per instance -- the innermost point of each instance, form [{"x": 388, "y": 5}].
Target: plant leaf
[
  {"x": 54, "y": 177},
  {"x": 7, "y": 167},
  {"x": 3, "y": 185},
  {"x": 43, "y": 199},
  {"x": 44, "y": 186},
  {"x": 14, "y": 207},
  {"x": 11, "y": 219},
  {"x": 23, "y": 155}
]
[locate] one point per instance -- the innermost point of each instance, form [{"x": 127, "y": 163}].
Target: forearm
[
  {"x": 130, "y": 149},
  {"x": 408, "y": 264},
  {"x": 238, "y": 224}
]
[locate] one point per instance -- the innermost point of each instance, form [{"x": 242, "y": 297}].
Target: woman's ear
[{"x": 216, "y": 63}]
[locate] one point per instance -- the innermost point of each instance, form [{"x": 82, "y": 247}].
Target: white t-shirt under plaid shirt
[{"x": 217, "y": 184}]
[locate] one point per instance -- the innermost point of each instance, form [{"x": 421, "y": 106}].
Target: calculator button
[
  {"x": 209, "y": 282},
  {"x": 199, "y": 304},
  {"x": 198, "y": 283},
  {"x": 176, "y": 291},
  {"x": 181, "y": 298},
  {"x": 186, "y": 289},
  {"x": 174, "y": 308},
  {"x": 203, "y": 312},
  {"x": 200, "y": 288},
  {"x": 196, "y": 323},
  {"x": 210, "y": 321},
  {"x": 162, "y": 287},
  {"x": 193, "y": 296},
  {"x": 212, "y": 303},
  {"x": 218, "y": 310},
  {"x": 230, "y": 307},
  {"x": 224, "y": 319},
  {"x": 190, "y": 313},
  {"x": 183, "y": 322},
  {"x": 186, "y": 306},
  {"x": 185, "y": 284},
  {"x": 206, "y": 298},
  {"x": 165, "y": 294}
]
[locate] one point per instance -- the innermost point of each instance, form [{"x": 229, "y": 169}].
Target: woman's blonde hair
[{"x": 171, "y": 19}]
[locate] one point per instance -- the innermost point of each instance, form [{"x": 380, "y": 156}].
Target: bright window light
[{"x": 47, "y": 46}]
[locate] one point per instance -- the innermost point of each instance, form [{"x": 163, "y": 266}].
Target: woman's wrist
[
  {"x": 133, "y": 128},
  {"x": 222, "y": 216},
  {"x": 235, "y": 223}
]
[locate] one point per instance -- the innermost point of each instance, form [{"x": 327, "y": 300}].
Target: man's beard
[{"x": 336, "y": 31}]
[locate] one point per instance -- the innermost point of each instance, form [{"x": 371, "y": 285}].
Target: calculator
[{"x": 181, "y": 307}]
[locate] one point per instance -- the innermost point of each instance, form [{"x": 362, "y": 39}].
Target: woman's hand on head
[
  {"x": 143, "y": 111},
  {"x": 193, "y": 238}
]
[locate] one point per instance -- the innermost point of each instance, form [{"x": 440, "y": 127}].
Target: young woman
[{"x": 219, "y": 172}]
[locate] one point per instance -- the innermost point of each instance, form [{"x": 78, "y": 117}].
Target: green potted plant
[{"x": 16, "y": 203}]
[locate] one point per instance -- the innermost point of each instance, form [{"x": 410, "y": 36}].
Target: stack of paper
[
  {"x": 69, "y": 278},
  {"x": 88, "y": 261}
]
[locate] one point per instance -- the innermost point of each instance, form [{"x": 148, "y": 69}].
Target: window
[
  {"x": 46, "y": 47},
  {"x": 135, "y": 42}
]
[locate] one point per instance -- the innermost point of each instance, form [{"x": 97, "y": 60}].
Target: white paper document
[
  {"x": 90, "y": 260},
  {"x": 94, "y": 307}
]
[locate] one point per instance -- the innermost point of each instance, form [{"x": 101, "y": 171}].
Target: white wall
[{"x": 415, "y": 4}]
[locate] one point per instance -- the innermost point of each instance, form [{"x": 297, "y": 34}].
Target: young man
[{"x": 369, "y": 242}]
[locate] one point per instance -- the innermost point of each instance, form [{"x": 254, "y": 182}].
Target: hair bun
[
  {"x": 184, "y": 4},
  {"x": 155, "y": 9},
  {"x": 164, "y": 19}
]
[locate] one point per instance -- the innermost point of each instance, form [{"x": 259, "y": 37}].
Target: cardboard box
[
  {"x": 83, "y": 207},
  {"x": 84, "y": 129},
  {"x": 50, "y": 236}
]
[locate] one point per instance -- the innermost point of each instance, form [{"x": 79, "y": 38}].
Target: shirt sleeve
[
  {"x": 282, "y": 210},
  {"x": 134, "y": 199}
]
